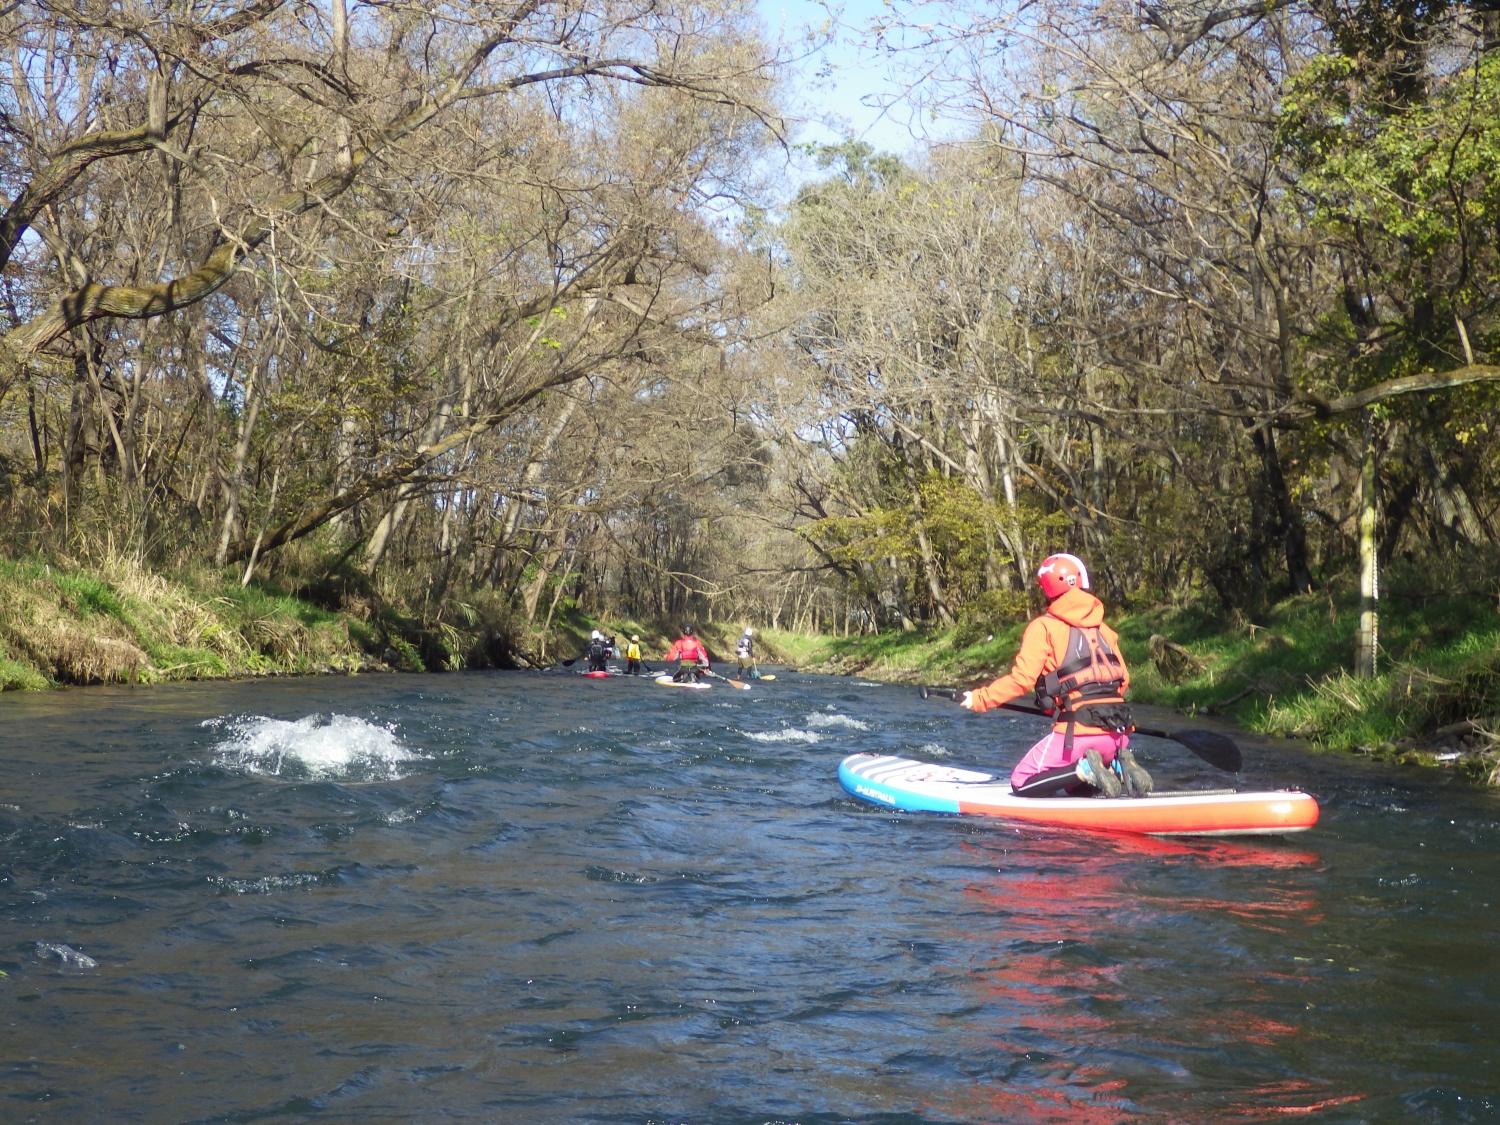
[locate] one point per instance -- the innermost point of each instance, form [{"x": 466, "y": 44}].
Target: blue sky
[{"x": 834, "y": 86}]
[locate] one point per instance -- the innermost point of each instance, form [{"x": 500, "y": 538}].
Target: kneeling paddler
[{"x": 1071, "y": 661}]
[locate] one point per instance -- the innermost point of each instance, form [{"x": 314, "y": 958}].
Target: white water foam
[
  {"x": 932, "y": 750},
  {"x": 845, "y": 721},
  {"x": 318, "y": 748},
  {"x": 790, "y": 735},
  {"x": 270, "y": 884},
  {"x": 66, "y": 954}
]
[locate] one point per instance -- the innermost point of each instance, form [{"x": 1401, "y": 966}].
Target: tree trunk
[
  {"x": 924, "y": 547},
  {"x": 1367, "y": 640},
  {"x": 235, "y": 485},
  {"x": 1284, "y": 517},
  {"x": 1451, "y": 502},
  {"x": 531, "y": 476}
]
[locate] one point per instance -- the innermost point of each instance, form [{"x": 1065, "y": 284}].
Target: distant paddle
[
  {"x": 733, "y": 683},
  {"x": 1218, "y": 750}
]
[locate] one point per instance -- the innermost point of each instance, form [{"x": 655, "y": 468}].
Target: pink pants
[{"x": 1049, "y": 754}]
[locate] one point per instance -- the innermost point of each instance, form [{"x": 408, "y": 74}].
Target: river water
[{"x": 533, "y": 897}]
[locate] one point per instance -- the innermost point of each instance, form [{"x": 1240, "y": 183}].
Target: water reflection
[{"x": 1067, "y": 939}]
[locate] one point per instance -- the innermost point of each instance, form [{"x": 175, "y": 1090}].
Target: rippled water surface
[{"x": 532, "y": 897}]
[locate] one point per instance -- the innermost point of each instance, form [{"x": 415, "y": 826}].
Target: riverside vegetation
[
  {"x": 122, "y": 623},
  {"x": 1284, "y": 675},
  {"x": 339, "y": 336}
]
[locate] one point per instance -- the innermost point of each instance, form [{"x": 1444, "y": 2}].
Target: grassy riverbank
[
  {"x": 120, "y": 622},
  {"x": 1284, "y": 672}
]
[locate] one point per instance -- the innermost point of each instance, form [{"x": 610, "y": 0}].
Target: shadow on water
[{"x": 535, "y": 897}]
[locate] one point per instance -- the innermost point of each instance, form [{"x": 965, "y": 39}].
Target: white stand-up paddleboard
[{"x": 668, "y": 681}]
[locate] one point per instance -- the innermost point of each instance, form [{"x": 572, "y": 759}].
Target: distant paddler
[
  {"x": 597, "y": 652},
  {"x": 692, "y": 658},
  {"x": 633, "y": 656},
  {"x": 744, "y": 654}
]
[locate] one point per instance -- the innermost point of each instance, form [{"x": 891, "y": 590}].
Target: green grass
[
  {"x": 18, "y": 675},
  {"x": 88, "y": 595},
  {"x": 1440, "y": 663},
  {"x": 958, "y": 656},
  {"x": 118, "y": 621}
]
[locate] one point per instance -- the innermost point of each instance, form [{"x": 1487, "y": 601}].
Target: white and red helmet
[{"x": 1060, "y": 573}]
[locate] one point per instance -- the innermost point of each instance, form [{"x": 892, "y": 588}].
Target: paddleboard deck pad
[
  {"x": 902, "y": 783},
  {"x": 668, "y": 681}
]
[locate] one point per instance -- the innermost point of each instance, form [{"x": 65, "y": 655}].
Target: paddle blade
[
  {"x": 1216, "y": 749},
  {"x": 732, "y": 683}
]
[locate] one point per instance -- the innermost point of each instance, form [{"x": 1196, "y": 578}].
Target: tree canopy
[{"x": 498, "y": 304}]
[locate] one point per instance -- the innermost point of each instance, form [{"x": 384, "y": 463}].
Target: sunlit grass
[
  {"x": 1290, "y": 674},
  {"x": 938, "y": 658},
  {"x": 119, "y": 622}
]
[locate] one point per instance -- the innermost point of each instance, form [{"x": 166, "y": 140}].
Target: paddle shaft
[{"x": 1216, "y": 749}]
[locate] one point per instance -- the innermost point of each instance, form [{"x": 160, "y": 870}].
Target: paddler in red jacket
[
  {"x": 1071, "y": 660},
  {"x": 692, "y": 658}
]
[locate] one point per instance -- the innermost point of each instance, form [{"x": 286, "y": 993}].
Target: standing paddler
[
  {"x": 744, "y": 654},
  {"x": 597, "y": 652},
  {"x": 1071, "y": 660}
]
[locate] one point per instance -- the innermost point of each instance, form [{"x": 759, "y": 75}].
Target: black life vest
[{"x": 1088, "y": 686}]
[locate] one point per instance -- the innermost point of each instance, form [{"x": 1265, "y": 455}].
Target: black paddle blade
[{"x": 1216, "y": 749}]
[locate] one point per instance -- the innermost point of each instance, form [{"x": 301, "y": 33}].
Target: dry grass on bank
[{"x": 119, "y": 622}]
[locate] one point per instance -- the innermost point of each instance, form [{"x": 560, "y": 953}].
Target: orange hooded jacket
[{"x": 1042, "y": 647}]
